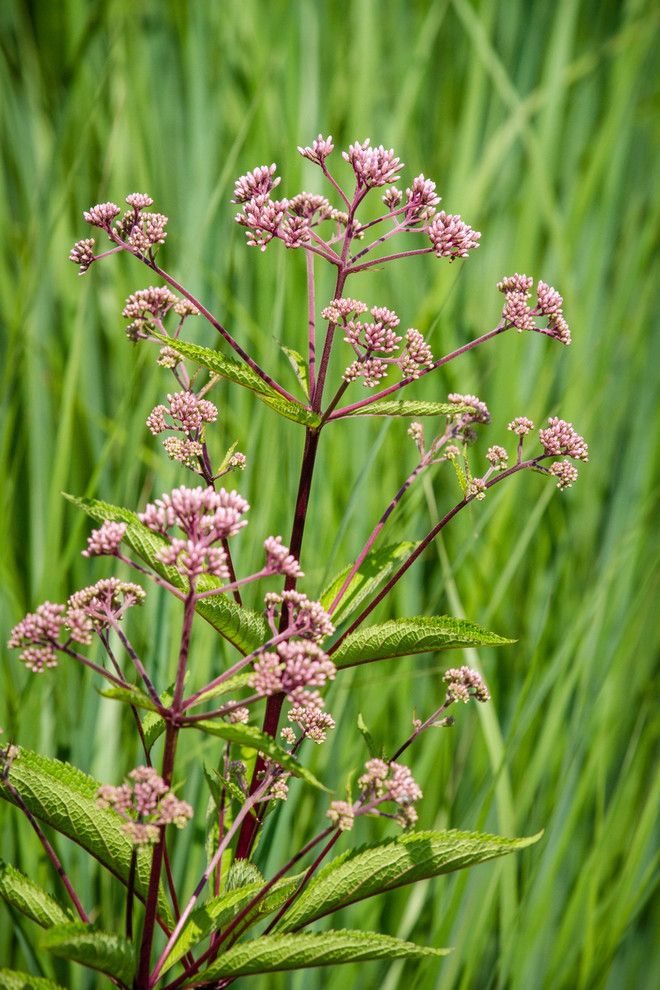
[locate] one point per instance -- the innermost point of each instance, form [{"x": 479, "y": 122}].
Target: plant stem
[
  {"x": 390, "y": 257},
  {"x": 249, "y": 804},
  {"x": 275, "y": 702},
  {"x": 311, "y": 322},
  {"x": 305, "y": 880},
  {"x": 374, "y": 534},
  {"x": 48, "y": 849},
  {"x": 410, "y": 560}
]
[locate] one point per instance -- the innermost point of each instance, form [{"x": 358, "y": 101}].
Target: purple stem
[
  {"x": 215, "y": 859},
  {"x": 390, "y": 257},
  {"x": 374, "y": 534},
  {"x": 137, "y": 663},
  {"x": 311, "y": 322},
  {"x": 150, "y": 263},
  {"x": 410, "y": 560},
  {"x": 48, "y": 849}
]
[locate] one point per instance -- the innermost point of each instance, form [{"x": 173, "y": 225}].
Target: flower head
[
  {"x": 341, "y": 814},
  {"x": 560, "y": 437},
  {"x": 279, "y": 560},
  {"x": 479, "y": 412},
  {"x": 319, "y": 149},
  {"x": 259, "y": 182},
  {"x": 565, "y": 473},
  {"x": 372, "y": 166},
  {"x": 464, "y": 683},
  {"x": 521, "y": 426},
  {"x": 102, "y": 214},
  {"x": 307, "y": 618},
  {"x": 146, "y": 804},
  {"x": 82, "y": 254},
  {"x": 105, "y": 540},
  {"x": 451, "y": 237}
]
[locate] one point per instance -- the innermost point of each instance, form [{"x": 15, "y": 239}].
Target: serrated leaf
[
  {"x": 374, "y": 869},
  {"x": 232, "y": 684},
  {"x": 374, "y": 571},
  {"x": 299, "y": 366},
  {"x": 274, "y": 953},
  {"x": 243, "y": 628},
  {"x": 242, "y": 374},
  {"x": 252, "y": 738},
  {"x": 220, "y": 911},
  {"x": 129, "y": 695},
  {"x": 101, "y": 951},
  {"x": 405, "y": 637},
  {"x": 408, "y": 407},
  {"x": 65, "y": 798},
  {"x": 224, "y": 464},
  {"x": 12, "y": 979},
  {"x": 29, "y": 898}
]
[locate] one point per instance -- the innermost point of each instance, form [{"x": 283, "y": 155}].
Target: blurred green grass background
[{"x": 536, "y": 121}]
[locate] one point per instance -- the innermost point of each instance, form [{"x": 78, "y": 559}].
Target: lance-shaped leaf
[
  {"x": 220, "y": 911},
  {"x": 12, "y": 979},
  {"x": 29, "y": 898},
  {"x": 65, "y": 798},
  {"x": 405, "y": 637},
  {"x": 243, "y": 375},
  {"x": 252, "y": 738},
  {"x": 274, "y": 953},
  {"x": 101, "y": 951},
  {"x": 243, "y": 628},
  {"x": 374, "y": 869},
  {"x": 299, "y": 366},
  {"x": 408, "y": 407},
  {"x": 374, "y": 571},
  {"x": 130, "y": 695}
]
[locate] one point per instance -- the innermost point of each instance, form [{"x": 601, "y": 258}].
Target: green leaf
[
  {"x": 11, "y": 979},
  {"x": 252, "y": 738},
  {"x": 412, "y": 408},
  {"x": 299, "y": 366},
  {"x": 405, "y": 637},
  {"x": 242, "y": 374},
  {"x": 224, "y": 464},
  {"x": 374, "y": 571},
  {"x": 274, "y": 953},
  {"x": 221, "y": 910},
  {"x": 130, "y": 695},
  {"x": 243, "y": 628},
  {"x": 374, "y": 869},
  {"x": 29, "y": 898},
  {"x": 366, "y": 735},
  {"x": 232, "y": 684},
  {"x": 102, "y": 951},
  {"x": 65, "y": 798}
]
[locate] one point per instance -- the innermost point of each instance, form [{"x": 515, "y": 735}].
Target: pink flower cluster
[
  {"x": 146, "y": 805},
  {"x": 40, "y": 634},
  {"x": 519, "y": 314},
  {"x": 383, "y": 781},
  {"x": 464, "y": 683},
  {"x": 105, "y": 540},
  {"x": 372, "y": 166},
  {"x": 560, "y": 437},
  {"x": 478, "y": 413},
  {"x": 295, "y": 666},
  {"x": 205, "y": 517},
  {"x": 145, "y": 305},
  {"x": 306, "y": 618},
  {"x": 451, "y": 237},
  {"x": 279, "y": 560},
  {"x": 374, "y": 341},
  {"x": 187, "y": 411}
]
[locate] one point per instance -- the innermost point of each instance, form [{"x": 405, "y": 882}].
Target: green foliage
[
  {"x": 63, "y": 797},
  {"x": 101, "y": 951},
  {"x": 408, "y": 407},
  {"x": 239, "y": 373},
  {"x": 11, "y": 979},
  {"x": 273, "y": 953},
  {"x": 219, "y": 911},
  {"x": 372, "y": 575},
  {"x": 23, "y": 894},
  {"x": 377, "y": 868},
  {"x": 406, "y": 637}
]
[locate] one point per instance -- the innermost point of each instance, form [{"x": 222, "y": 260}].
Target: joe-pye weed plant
[{"x": 280, "y": 643}]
